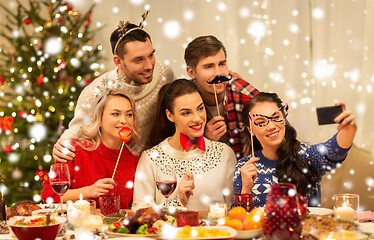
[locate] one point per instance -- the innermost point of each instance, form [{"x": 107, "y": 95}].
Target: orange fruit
[
  {"x": 235, "y": 224},
  {"x": 238, "y": 213},
  {"x": 254, "y": 220}
]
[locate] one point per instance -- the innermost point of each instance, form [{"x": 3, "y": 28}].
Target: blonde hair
[{"x": 91, "y": 133}]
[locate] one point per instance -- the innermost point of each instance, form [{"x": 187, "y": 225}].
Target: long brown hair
[
  {"x": 290, "y": 167},
  {"x": 162, "y": 127},
  {"x": 91, "y": 133}
]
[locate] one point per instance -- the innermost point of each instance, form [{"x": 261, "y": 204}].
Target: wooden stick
[
  {"x": 215, "y": 95},
  {"x": 250, "y": 126},
  {"x": 185, "y": 156},
  {"x": 119, "y": 155}
]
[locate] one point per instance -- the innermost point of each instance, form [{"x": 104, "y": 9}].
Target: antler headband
[{"x": 122, "y": 28}]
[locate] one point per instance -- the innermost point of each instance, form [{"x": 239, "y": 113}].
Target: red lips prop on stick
[
  {"x": 125, "y": 134},
  {"x": 187, "y": 143}
]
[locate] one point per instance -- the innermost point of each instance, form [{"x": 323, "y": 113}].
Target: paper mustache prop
[
  {"x": 220, "y": 79},
  {"x": 217, "y": 80}
]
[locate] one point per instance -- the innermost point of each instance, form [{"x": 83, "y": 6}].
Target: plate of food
[
  {"x": 145, "y": 222},
  {"x": 211, "y": 232},
  {"x": 320, "y": 211}
]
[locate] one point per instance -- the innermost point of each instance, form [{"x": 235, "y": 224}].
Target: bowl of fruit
[
  {"x": 36, "y": 227},
  {"x": 248, "y": 225}
]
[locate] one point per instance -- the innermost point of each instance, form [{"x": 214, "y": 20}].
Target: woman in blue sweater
[{"x": 283, "y": 158}]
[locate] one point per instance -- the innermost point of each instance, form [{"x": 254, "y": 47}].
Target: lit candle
[
  {"x": 345, "y": 213},
  {"x": 2, "y": 207},
  {"x": 93, "y": 222},
  {"x": 83, "y": 205},
  {"x": 217, "y": 210}
]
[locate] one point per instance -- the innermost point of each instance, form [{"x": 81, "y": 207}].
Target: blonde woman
[{"x": 98, "y": 149}]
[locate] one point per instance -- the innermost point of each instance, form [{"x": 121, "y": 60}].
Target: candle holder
[
  {"x": 109, "y": 203},
  {"x": 346, "y": 207},
  {"x": 245, "y": 200},
  {"x": 217, "y": 210},
  {"x": 190, "y": 218}
]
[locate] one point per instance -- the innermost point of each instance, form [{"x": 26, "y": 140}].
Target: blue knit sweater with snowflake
[{"x": 323, "y": 157}]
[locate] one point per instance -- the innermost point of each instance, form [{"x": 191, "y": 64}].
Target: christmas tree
[{"x": 47, "y": 56}]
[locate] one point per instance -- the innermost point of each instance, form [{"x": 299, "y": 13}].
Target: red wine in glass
[
  {"x": 60, "y": 187},
  {"x": 166, "y": 187},
  {"x": 59, "y": 177},
  {"x": 166, "y": 180}
]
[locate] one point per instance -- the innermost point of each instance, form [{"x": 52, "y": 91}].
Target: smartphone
[{"x": 326, "y": 115}]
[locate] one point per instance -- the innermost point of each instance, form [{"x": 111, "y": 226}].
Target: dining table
[{"x": 367, "y": 227}]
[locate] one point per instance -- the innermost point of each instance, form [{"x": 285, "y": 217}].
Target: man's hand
[
  {"x": 186, "y": 187},
  {"x": 249, "y": 174},
  {"x": 63, "y": 150},
  {"x": 235, "y": 75},
  {"x": 215, "y": 128}
]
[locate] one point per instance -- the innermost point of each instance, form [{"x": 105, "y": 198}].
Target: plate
[
  {"x": 320, "y": 211},
  {"x": 132, "y": 238},
  {"x": 133, "y": 235},
  {"x": 52, "y": 206},
  {"x": 249, "y": 234},
  {"x": 233, "y": 233},
  {"x": 366, "y": 227}
]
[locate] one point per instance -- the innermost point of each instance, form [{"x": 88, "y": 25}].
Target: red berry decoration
[
  {"x": 8, "y": 149},
  {"x": 27, "y": 21},
  {"x": 42, "y": 174},
  {"x": 23, "y": 114},
  {"x": 125, "y": 134}
]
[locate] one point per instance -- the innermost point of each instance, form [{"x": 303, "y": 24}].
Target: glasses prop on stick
[
  {"x": 251, "y": 133},
  {"x": 125, "y": 134},
  {"x": 217, "y": 80}
]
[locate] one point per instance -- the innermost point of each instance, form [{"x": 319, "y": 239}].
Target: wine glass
[
  {"x": 166, "y": 181},
  {"x": 60, "y": 179}
]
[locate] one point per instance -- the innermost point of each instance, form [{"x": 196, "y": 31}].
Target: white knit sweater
[
  {"x": 145, "y": 97},
  {"x": 212, "y": 170}
]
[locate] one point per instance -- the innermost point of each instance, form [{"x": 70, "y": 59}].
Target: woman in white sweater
[{"x": 207, "y": 176}]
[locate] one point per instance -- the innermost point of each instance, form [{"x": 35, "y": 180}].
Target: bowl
[
  {"x": 247, "y": 234},
  {"x": 45, "y": 232}
]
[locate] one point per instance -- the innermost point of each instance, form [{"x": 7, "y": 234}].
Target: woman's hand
[
  {"x": 100, "y": 187},
  {"x": 347, "y": 127},
  {"x": 186, "y": 187},
  {"x": 249, "y": 174}
]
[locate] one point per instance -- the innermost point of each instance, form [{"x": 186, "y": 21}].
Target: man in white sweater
[{"x": 136, "y": 71}]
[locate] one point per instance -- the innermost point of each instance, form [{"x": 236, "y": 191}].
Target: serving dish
[
  {"x": 133, "y": 235},
  {"x": 43, "y": 232},
  {"x": 233, "y": 233},
  {"x": 320, "y": 211},
  {"x": 246, "y": 234}
]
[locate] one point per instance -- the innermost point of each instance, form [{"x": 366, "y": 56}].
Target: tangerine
[
  {"x": 235, "y": 224},
  {"x": 238, "y": 213},
  {"x": 254, "y": 220}
]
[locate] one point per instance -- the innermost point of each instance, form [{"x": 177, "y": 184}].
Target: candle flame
[{"x": 80, "y": 196}]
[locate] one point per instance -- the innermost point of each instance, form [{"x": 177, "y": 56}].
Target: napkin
[{"x": 367, "y": 216}]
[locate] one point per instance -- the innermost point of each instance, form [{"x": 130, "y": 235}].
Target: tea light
[
  {"x": 217, "y": 210},
  {"x": 345, "y": 213},
  {"x": 83, "y": 205},
  {"x": 92, "y": 222},
  {"x": 346, "y": 207}
]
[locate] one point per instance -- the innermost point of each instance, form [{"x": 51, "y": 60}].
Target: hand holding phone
[{"x": 326, "y": 115}]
